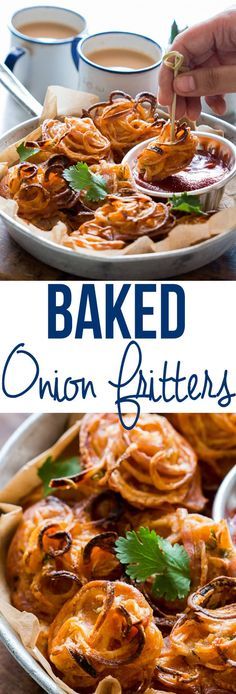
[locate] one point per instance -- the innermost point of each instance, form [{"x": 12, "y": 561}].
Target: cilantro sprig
[
  {"x": 80, "y": 177},
  {"x": 54, "y": 469},
  {"x": 25, "y": 152},
  {"x": 147, "y": 555},
  {"x": 175, "y": 31},
  {"x": 186, "y": 203}
]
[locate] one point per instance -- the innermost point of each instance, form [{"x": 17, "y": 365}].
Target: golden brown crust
[
  {"x": 62, "y": 566},
  {"x": 163, "y": 158},
  {"x": 55, "y": 549},
  {"x": 107, "y": 628},
  {"x": 213, "y": 437},
  {"x": 203, "y": 641},
  {"x": 121, "y": 220},
  {"x": 76, "y": 138},
  {"x": 126, "y": 121}
]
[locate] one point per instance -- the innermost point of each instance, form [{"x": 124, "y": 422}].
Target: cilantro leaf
[
  {"x": 147, "y": 554},
  {"x": 141, "y": 552},
  {"x": 186, "y": 203},
  {"x": 54, "y": 469},
  {"x": 175, "y": 31},
  {"x": 80, "y": 177},
  {"x": 26, "y": 152},
  {"x": 175, "y": 582}
]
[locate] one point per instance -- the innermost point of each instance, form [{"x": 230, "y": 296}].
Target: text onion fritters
[
  {"x": 107, "y": 628},
  {"x": 163, "y": 158},
  {"x": 125, "y": 121}
]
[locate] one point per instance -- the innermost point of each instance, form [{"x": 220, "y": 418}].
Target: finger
[
  {"x": 165, "y": 86},
  {"x": 209, "y": 81},
  {"x": 202, "y": 44},
  {"x": 181, "y": 107},
  {"x": 196, "y": 45},
  {"x": 217, "y": 104},
  {"x": 193, "y": 107}
]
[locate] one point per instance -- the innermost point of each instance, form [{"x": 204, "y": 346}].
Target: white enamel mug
[
  {"x": 102, "y": 80},
  {"x": 39, "y": 62}
]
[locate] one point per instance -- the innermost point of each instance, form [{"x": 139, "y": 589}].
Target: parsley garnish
[
  {"x": 54, "y": 469},
  {"x": 149, "y": 555},
  {"x": 26, "y": 152},
  {"x": 186, "y": 203},
  {"x": 80, "y": 177}
]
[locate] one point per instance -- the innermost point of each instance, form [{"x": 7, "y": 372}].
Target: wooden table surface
[{"x": 12, "y": 677}]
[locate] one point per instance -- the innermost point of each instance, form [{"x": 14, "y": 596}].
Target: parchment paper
[
  {"x": 25, "y": 624},
  {"x": 60, "y": 101}
]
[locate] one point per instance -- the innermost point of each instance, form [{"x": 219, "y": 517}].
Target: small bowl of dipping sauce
[
  {"x": 211, "y": 168},
  {"x": 225, "y": 502}
]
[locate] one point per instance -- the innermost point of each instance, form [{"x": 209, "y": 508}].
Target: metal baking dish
[
  {"x": 225, "y": 499},
  {"x": 146, "y": 266},
  {"x": 34, "y": 436}
]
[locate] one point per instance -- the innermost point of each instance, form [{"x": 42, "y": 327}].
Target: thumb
[{"x": 208, "y": 81}]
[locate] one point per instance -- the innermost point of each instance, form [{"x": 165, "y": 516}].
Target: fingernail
[{"x": 185, "y": 83}]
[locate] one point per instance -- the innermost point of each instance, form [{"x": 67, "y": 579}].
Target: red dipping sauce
[{"x": 204, "y": 169}]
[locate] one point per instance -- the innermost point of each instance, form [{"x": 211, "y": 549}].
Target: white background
[{"x": 208, "y": 342}]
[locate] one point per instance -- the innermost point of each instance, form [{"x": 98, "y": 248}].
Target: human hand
[{"x": 209, "y": 50}]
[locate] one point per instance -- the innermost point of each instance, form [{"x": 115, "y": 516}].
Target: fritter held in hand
[{"x": 163, "y": 158}]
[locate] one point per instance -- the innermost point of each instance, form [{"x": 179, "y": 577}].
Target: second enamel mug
[{"x": 100, "y": 71}]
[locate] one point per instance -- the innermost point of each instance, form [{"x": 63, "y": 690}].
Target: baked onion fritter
[
  {"x": 121, "y": 220},
  {"x": 203, "y": 641},
  {"x": 150, "y": 465},
  {"x": 162, "y": 158},
  {"x": 76, "y": 138},
  {"x": 125, "y": 121},
  {"x": 213, "y": 437},
  {"x": 54, "y": 550},
  {"x": 107, "y": 628}
]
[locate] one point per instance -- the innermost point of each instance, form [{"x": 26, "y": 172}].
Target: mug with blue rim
[
  {"x": 101, "y": 80},
  {"x": 40, "y": 62}
]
